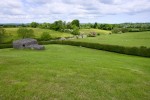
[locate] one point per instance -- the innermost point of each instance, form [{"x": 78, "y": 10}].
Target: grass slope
[
  {"x": 125, "y": 39},
  {"x": 38, "y": 32},
  {"x": 68, "y": 72}
]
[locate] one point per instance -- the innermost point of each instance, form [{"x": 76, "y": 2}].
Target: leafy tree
[
  {"x": 34, "y": 24},
  {"x": 95, "y": 25},
  {"x": 45, "y": 36},
  {"x": 2, "y": 34},
  {"x": 75, "y": 30},
  {"x": 57, "y": 25},
  {"x": 76, "y": 23},
  {"x": 45, "y": 25},
  {"x": 25, "y": 33}
]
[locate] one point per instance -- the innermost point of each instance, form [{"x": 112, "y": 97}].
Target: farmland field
[
  {"x": 87, "y": 31},
  {"x": 131, "y": 39},
  {"x": 68, "y": 72},
  {"x": 38, "y": 32}
]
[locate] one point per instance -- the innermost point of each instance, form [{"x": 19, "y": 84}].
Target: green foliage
[
  {"x": 142, "y": 51},
  {"x": 75, "y": 30},
  {"x": 34, "y": 24},
  {"x": 58, "y": 25},
  {"x": 2, "y": 34},
  {"x": 95, "y": 25},
  {"x": 76, "y": 23},
  {"x": 25, "y": 33},
  {"x": 45, "y": 36},
  {"x": 45, "y": 25},
  {"x": 2, "y": 46},
  {"x": 116, "y": 30}
]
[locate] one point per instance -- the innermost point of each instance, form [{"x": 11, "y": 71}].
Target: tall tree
[
  {"x": 76, "y": 23},
  {"x": 95, "y": 25},
  {"x": 34, "y": 24}
]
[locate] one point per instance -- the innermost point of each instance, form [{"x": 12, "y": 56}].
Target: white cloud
[{"x": 66, "y": 10}]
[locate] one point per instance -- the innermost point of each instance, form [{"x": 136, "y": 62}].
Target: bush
[
  {"x": 75, "y": 31},
  {"x": 2, "y": 34},
  {"x": 45, "y": 36},
  {"x": 116, "y": 30},
  {"x": 2, "y": 46},
  {"x": 25, "y": 33}
]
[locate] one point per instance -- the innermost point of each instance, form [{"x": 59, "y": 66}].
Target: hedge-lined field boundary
[{"x": 137, "y": 51}]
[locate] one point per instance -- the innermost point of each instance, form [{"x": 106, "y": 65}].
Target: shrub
[
  {"x": 2, "y": 46},
  {"x": 25, "y": 33},
  {"x": 45, "y": 36},
  {"x": 2, "y": 34},
  {"x": 116, "y": 30},
  {"x": 75, "y": 31}
]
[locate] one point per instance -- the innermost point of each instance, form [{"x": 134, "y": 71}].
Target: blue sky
[{"x": 102, "y": 11}]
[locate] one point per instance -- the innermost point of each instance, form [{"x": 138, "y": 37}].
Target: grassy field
[
  {"x": 68, "y": 72},
  {"x": 125, "y": 39},
  {"x": 88, "y": 31},
  {"x": 38, "y": 32}
]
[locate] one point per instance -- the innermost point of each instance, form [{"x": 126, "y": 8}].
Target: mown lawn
[
  {"x": 131, "y": 39},
  {"x": 68, "y": 72}
]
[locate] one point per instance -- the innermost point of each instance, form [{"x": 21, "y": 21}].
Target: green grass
[
  {"x": 136, "y": 39},
  {"x": 87, "y": 31},
  {"x": 68, "y": 72},
  {"x": 38, "y": 32}
]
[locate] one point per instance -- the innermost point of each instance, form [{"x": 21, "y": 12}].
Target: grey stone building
[{"x": 27, "y": 43}]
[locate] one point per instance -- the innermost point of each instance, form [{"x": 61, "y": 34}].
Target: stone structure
[{"x": 27, "y": 43}]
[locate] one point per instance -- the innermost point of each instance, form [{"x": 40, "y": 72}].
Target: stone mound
[{"x": 27, "y": 43}]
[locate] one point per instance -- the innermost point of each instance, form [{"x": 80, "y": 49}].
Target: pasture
[
  {"x": 69, "y": 72},
  {"x": 88, "y": 31},
  {"x": 131, "y": 39},
  {"x": 38, "y": 32}
]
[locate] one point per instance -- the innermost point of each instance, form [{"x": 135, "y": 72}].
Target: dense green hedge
[
  {"x": 2, "y": 46},
  {"x": 138, "y": 51}
]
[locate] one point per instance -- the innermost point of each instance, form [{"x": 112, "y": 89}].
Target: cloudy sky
[{"x": 102, "y": 11}]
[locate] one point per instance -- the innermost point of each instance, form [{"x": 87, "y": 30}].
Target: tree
[
  {"x": 34, "y": 24},
  {"x": 95, "y": 25},
  {"x": 45, "y": 36},
  {"x": 57, "y": 25},
  {"x": 2, "y": 34},
  {"x": 75, "y": 30},
  {"x": 76, "y": 23},
  {"x": 25, "y": 33}
]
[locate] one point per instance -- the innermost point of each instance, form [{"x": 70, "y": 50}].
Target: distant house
[{"x": 27, "y": 43}]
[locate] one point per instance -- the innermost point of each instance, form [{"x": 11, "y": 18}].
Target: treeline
[
  {"x": 70, "y": 27},
  {"x": 75, "y": 25}
]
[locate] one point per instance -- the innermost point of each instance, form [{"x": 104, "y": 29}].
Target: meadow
[
  {"x": 99, "y": 31},
  {"x": 69, "y": 72},
  {"x": 130, "y": 39},
  {"x": 38, "y": 32}
]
